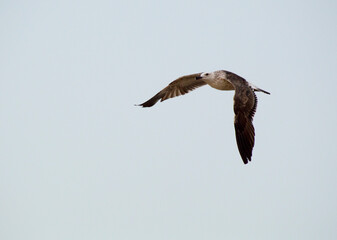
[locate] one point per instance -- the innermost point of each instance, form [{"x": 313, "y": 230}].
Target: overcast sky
[{"x": 79, "y": 161}]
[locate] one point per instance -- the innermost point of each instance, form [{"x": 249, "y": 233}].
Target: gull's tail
[{"x": 256, "y": 89}]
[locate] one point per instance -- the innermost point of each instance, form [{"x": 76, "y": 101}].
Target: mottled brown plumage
[
  {"x": 245, "y": 102},
  {"x": 176, "y": 88}
]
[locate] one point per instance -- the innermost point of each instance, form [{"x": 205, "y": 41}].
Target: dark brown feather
[
  {"x": 176, "y": 88},
  {"x": 245, "y": 103},
  {"x": 244, "y": 132}
]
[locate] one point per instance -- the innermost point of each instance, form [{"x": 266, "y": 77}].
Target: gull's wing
[
  {"x": 245, "y": 103},
  {"x": 176, "y": 88}
]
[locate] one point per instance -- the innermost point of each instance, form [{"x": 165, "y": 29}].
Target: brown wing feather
[
  {"x": 245, "y": 103},
  {"x": 176, "y": 88},
  {"x": 252, "y": 112},
  {"x": 245, "y": 133}
]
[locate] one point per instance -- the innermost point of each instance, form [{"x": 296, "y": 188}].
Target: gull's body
[{"x": 245, "y": 102}]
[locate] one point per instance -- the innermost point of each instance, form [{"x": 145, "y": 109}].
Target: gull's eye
[{"x": 206, "y": 74}]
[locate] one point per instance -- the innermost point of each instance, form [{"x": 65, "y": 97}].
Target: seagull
[{"x": 245, "y": 102}]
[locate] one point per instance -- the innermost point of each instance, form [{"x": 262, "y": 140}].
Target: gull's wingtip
[
  {"x": 246, "y": 159},
  {"x": 143, "y": 105}
]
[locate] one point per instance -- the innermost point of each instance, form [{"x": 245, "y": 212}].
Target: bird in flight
[{"x": 245, "y": 102}]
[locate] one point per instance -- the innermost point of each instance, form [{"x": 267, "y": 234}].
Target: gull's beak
[{"x": 198, "y": 77}]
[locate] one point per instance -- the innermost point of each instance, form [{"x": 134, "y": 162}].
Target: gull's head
[
  {"x": 207, "y": 75},
  {"x": 213, "y": 75}
]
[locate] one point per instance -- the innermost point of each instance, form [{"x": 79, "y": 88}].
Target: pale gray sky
[{"x": 79, "y": 161}]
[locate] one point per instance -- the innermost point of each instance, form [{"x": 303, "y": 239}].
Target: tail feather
[
  {"x": 261, "y": 90},
  {"x": 256, "y": 89}
]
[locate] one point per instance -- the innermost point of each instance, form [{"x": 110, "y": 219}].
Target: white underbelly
[{"x": 220, "y": 84}]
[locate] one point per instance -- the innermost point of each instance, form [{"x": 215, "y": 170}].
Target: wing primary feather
[
  {"x": 244, "y": 132},
  {"x": 152, "y": 101},
  {"x": 176, "y": 88}
]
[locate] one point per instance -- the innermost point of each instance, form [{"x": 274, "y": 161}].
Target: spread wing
[
  {"x": 176, "y": 88},
  {"x": 244, "y": 108}
]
